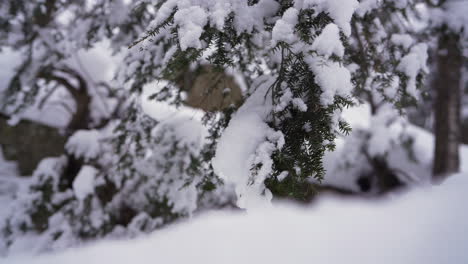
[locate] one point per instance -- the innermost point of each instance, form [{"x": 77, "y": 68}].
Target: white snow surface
[
  {"x": 453, "y": 14},
  {"x": 340, "y": 10},
  {"x": 186, "y": 121},
  {"x": 328, "y": 42},
  {"x": 284, "y": 28},
  {"x": 83, "y": 185},
  {"x": 403, "y": 40},
  {"x": 333, "y": 78},
  {"x": 163, "y": 111},
  {"x": 412, "y": 63},
  {"x": 248, "y": 140},
  {"x": 191, "y": 21},
  {"x": 383, "y": 139},
  {"x": 428, "y": 225},
  {"x": 84, "y": 144},
  {"x": 366, "y": 6},
  {"x": 191, "y": 16}
]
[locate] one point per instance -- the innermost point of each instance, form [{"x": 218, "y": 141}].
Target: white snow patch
[
  {"x": 366, "y": 6},
  {"x": 84, "y": 144},
  {"x": 403, "y": 40},
  {"x": 284, "y": 28},
  {"x": 191, "y": 21},
  {"x": 333, "y": 78},
  {"x": 340, "y": 11},
  {"x": 247, "y": 138},
  {"x": 328, "y": 42},
  {"x": 411, "y": 64},
  {"x": 83, "y": 185},
  {"x": 403, "y": 229}
]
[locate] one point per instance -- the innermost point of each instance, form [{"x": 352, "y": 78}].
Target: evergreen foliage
[{"x": 300, "y": 66}]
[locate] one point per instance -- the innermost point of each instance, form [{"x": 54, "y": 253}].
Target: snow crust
[{"x": 428, "y": 225}]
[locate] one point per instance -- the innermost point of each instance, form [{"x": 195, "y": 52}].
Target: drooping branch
[{"x": 79, "y": 93}]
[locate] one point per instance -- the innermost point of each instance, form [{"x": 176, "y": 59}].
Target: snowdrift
[{"x": 426, "y": 225}]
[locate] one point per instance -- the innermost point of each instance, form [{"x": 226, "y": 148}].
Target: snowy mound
[{"x": 423, "y": 226}]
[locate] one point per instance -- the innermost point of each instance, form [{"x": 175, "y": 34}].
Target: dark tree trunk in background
[
  {"x": 446, "y": 84},
  {"x": 29, "y": 142}
]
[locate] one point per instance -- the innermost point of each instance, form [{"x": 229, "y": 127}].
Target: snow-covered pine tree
[
  {"x": 299, "y": 49},
  {"x": 116, "y": 177},
  {"x": 388, "y": 64},
  {"x": 289, "y": 54},
  {"x": 132, "y": 171}
]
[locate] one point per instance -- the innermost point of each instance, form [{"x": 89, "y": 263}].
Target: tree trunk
[
  {"x": 447, "y": 106},
  {"x": 80, "y": 119},
  {"x": 28, "y": 143}
]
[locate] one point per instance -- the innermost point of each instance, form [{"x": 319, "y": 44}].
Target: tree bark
[
  {"x": 80, "y": 118},
  {"x": 446, "y": 84}
]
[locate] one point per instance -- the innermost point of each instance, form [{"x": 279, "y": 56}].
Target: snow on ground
[{"x": 424, "y": 226}]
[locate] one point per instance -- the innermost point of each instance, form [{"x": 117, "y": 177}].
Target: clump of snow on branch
[
  {"x": 412, "y": 64},
  {"x": 84, "y": 144},
  {"x": 333, "y": 78},
  {"x": 284, "y": 28},
  {"x": 452, "y": 14},
  {"x": 247, "y": 141},
  {"x": 191, "y": 16},
  {"x": 340, "y": 11},
  {"x": 403, "y": 40},
  {"x": 83, "y": 185},
  {"x": 366, "y": 5},
  {"x": 191, "y": 21},
  {"x": 328, "y": 42}
]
